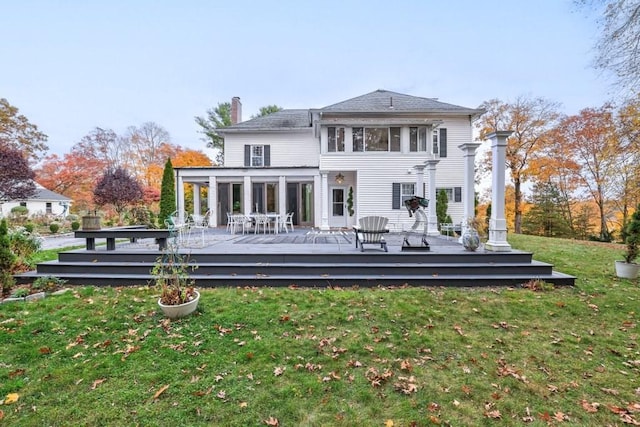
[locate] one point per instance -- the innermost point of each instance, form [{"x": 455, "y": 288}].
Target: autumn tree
[
  {"x": 216, "y": 118},
  {"x": 73, "y": 175},
  {"x": 530, "y": 120},
  {"x": 618, "y": 45},
  {"x": 591, "y": 140},
  {"x": 16, "y": 176},
  {"x": 167, "y": 192},
  {"x": 105, "y": 146},
  {"x": 117, "y": 188},
  {"x": 627, "y": 179},
  {"x": 148, "y": 145},
  {"x": 18, "y": 133}
]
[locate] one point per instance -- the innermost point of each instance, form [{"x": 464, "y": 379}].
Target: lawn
[{"x": 334, "y": 357}]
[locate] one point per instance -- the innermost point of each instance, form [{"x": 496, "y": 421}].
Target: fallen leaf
[
  {"x": 589, "y": 407},
  {"x": 45, "y": 350},
  {"x": 243, "y": 404},
  {"x": 96, "y": 383},
  {"x": 388, "y": 423},
  {"x": 278, "y": 371},
  {"x": 159, "y": 392},
  {"x": 1, "y": 415},
  {"x": 272, "y": 421},
  {"x": 11, "y": 398},
  {"x": 495, "y": 414}
]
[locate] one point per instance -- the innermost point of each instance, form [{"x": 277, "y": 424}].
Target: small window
[
  {"x": 335, "y": 140},
  {"x": 435, "y": 142},
  {"x": 48, "y": 208},
  {"x": 400, "y": 193}
]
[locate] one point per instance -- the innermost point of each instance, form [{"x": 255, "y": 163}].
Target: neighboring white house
[
  {"x": 381, "y": 147},
  {"x": 43, "y": 202}
]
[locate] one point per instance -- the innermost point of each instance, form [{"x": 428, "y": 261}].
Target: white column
[
  {"x": 247, "y": 199},
  {"x": 324, "y": 200},
  {"x": 468, "y": 191},
  {"x": 196, "y": 199},
  {"x": 498, "y": 224},
  {"x": 419, "y": 180},
  {"x": 432, "y": 217},
  {"x": 180, "y": 193},
  {"x": 282, "y": 195},
  {"x": 212, "y": 201}
]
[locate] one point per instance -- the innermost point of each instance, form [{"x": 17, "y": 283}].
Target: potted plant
[
  {"x": 628, "y": 269},
  {"x": 178, "y": 296}
]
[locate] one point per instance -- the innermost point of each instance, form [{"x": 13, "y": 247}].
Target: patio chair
[
  {"x": 286, "y": 221},
  {"x": 199, "y": 223},
  {"x": 262, "y": 221},
  {"x": 371, "y": 230}
]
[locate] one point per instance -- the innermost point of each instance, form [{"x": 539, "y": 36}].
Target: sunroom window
[
  {"x": 376, "y": 139},
  {"x": 336, "y": 139}
]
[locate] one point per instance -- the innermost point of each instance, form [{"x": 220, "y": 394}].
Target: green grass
[{"x": 334, "y": 357}]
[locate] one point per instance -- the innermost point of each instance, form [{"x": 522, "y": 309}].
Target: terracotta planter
[
  {"x": 627, "y": 270},
  {"x": 180, "y": 310}
]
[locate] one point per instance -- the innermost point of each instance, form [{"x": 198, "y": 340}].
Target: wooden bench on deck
[{"x": 161, "y": 236}]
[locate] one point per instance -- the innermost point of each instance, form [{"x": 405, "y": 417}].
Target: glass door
[{"x": 338, "y": 216}]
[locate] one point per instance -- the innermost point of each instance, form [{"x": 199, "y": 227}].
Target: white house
[
  {"x": 43, "y": 202},
  {"x": 333, "y": 165}
]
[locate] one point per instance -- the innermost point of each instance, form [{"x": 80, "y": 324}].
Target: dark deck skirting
[{"x": 161, "y": 236}]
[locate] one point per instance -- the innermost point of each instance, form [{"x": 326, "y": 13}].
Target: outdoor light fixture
[{"x": 339, "y": 178}]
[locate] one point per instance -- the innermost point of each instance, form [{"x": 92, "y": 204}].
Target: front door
[{"x": 338, "y": 216}]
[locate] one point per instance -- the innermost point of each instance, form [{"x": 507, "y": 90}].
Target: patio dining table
[{"x": 273, "y": 217}]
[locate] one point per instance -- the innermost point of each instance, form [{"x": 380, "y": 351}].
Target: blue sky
[{"x": 70, "y": 66}]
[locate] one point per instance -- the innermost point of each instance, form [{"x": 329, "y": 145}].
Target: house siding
[
  {"x": 290, "y": 149},
  {"x": 372, "y": 174}
]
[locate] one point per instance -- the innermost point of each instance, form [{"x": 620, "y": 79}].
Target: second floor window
[
  {"x": 418, "y": 139},
  {"x": 257, "y": 155},
  {"x": 376, "y": 139},
  {"x": 336, "y": 139}
]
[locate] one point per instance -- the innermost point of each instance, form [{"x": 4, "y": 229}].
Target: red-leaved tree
[
  {"x": 16, "y": 176},
  {"x": 116, "y": 187}
]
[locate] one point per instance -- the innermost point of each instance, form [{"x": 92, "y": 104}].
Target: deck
[{"x": 300, "y": 258}]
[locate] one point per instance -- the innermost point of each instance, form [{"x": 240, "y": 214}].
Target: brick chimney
[{"x": 236, "y": 110}]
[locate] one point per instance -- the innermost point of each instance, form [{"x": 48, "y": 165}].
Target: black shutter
[
  {"x": 396, "y": 196},
  {"x": 443, "y": 142},
  {"x": 457, "y": 194},
  {"x": 247, "y": 155},
  {"x": 267, "y": 155}
]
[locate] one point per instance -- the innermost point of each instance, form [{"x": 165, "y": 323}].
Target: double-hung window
[
  {"x": 335, "y": 140},
  {"x": 453, "y": 194},
  {"x": 257, "y": 155},
  {"x": 376, "y": 139},
  {"x": 402, "y": 191}
]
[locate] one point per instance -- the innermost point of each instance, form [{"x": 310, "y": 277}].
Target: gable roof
[
  {"x": 48, "y": 195},
  {"x": 280, "y": 120},
  {"x": 384, "y": 101},
  {"x": 377, "y": 102}
]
